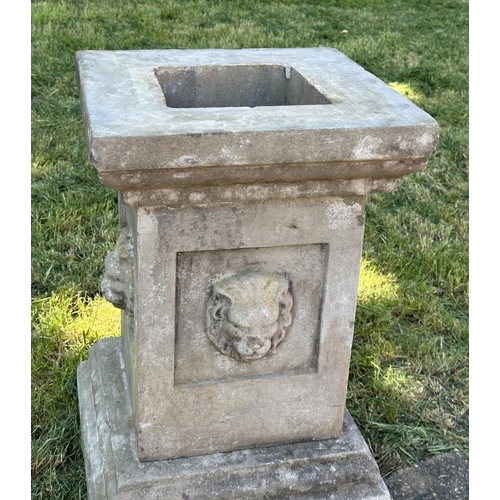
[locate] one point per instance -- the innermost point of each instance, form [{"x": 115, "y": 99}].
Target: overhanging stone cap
[{"x": 129, "y": 127}]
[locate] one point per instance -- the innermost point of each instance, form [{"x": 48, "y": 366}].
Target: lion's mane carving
[
  {"x": 118, "y": 282},
  {"x": 248, "y": 313}
]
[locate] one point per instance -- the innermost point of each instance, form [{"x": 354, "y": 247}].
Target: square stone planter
[{"x": 242, "y": 179}]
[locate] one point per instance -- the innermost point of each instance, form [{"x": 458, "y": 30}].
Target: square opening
[{"x": 236, "y": 86}]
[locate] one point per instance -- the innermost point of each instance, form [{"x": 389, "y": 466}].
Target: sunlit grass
[
  {"x": 406, "y": 90},
  {"x": 76, "y": 321},
  {"x": 409, "y": 376},
  {"x": 65, "y": 325},
  {"x": 374, "y": 285}
]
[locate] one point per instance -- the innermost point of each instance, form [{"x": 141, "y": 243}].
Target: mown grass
[{"x": 408, "y": 389}]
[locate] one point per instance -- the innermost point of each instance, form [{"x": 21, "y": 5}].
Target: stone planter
[{"x": 242, "y": 179}]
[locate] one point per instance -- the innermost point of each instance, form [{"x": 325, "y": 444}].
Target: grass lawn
[{"x": 408, "y": 387}]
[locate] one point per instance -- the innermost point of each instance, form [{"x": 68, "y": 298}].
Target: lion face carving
[
  {"x": 248, "y": 313},
  {"x": 118, "y": 284}
]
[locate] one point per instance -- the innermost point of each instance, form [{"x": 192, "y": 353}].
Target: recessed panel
[{"x": 248, "y": 313}]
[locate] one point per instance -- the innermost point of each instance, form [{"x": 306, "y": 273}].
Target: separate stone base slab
[{"x": 337, "y": 469}]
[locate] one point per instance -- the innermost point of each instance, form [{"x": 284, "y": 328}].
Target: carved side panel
[{"x": 248, "y": 313}]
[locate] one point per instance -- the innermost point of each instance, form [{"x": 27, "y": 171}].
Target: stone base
[{"x": 339, "y": 469}]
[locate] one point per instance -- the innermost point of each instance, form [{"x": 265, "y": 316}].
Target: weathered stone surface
[
  {"x": 340, "y": 469},
  {"x": 256, "y": 114},
  {"x": 189, "y": 397}
]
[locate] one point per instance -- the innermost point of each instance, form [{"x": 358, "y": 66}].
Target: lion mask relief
[{"x": 248, "y": 313}]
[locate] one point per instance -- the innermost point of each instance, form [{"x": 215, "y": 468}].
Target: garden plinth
[{"x": 242, "y": 178}]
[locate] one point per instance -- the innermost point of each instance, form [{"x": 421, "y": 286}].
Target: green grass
[{"x": 408, "y": 389}]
